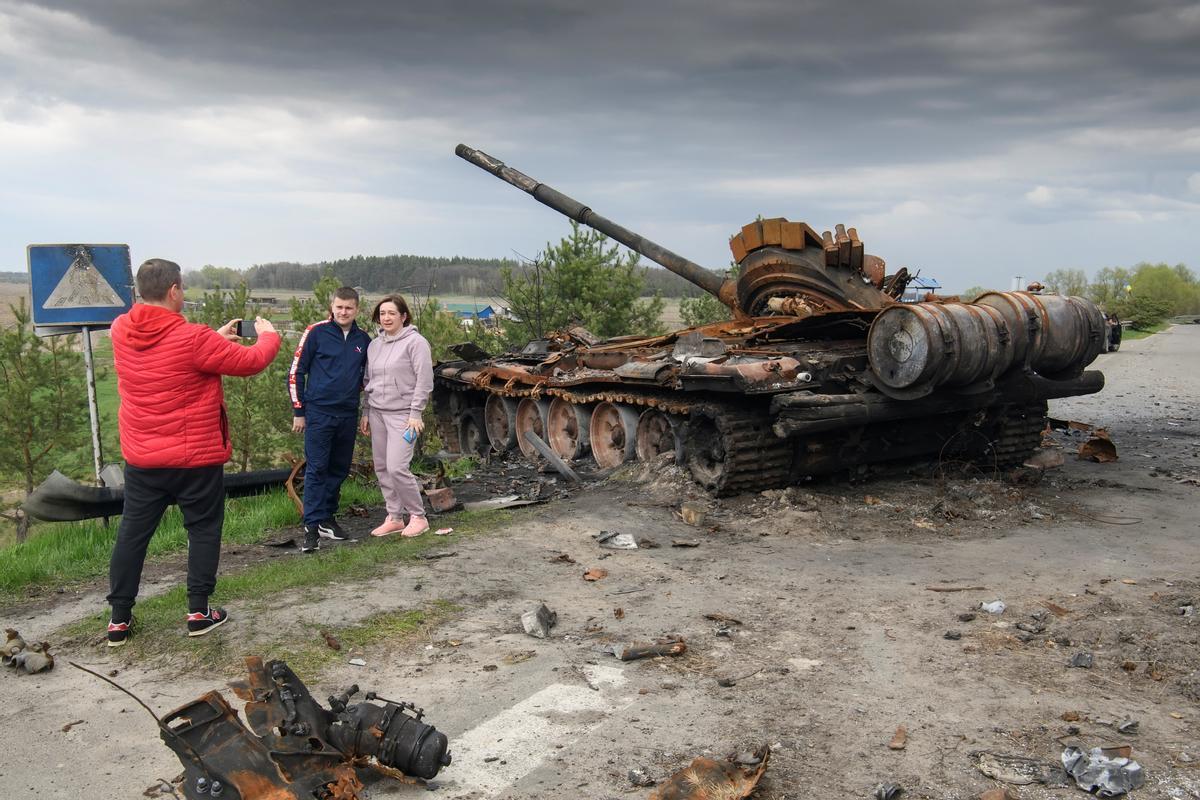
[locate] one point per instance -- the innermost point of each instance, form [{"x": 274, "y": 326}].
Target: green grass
[
  {"x": 309, "y": 657},
  {"x": 69, "y": 552},
  {"x": 160, "y": 632},
  {"x": 1132, "y": 333},
  {"x": 456, "y": 468}
]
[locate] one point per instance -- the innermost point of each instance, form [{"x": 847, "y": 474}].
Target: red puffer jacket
[{"x": 169, "y": 379}]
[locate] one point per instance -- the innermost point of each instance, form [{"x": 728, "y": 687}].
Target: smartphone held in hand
[
  {"x": 245, "y": 329},
  {"x": 410, "y": 435}
]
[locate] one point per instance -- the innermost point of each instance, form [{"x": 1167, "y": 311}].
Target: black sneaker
[
  {"x": 312, "y": 540},
  {"x": 119, "y": 632},
  {"x": 329, "y": 529},
  {"x": 200, "y": 623}
]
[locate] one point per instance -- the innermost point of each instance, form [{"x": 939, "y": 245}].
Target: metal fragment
[{"x": 708, "y": 779}]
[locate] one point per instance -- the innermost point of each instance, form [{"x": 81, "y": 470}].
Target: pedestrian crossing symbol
[{"x": 79, "y": 284}]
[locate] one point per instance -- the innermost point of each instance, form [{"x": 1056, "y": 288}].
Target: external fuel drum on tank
[{"x": 820, "y": 368}]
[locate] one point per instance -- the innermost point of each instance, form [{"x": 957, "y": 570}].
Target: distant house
[
  {"x": 918, "y": 287},
  {"x": 489, "y": 314}
]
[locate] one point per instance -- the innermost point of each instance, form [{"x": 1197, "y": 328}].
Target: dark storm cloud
[
  {"x": 691, "y": 116},
  {"x": 963, "y": 74}
]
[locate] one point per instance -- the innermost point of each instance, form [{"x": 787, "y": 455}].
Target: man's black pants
[
  {"x": 328, "y": 451},
  {"x": 200, "y": 494}
]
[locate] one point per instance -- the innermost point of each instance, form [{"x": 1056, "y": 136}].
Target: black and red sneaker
[
  {"x": 201, "y": 622},
  {"x": 119, "y": 632}
]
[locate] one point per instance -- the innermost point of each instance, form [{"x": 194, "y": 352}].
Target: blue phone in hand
[{"x": 410, "y": 435}]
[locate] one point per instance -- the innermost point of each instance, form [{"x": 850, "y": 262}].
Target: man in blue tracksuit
[{"x": 324, "y": 383}]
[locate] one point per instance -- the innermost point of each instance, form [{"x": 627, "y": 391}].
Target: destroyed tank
[{"x": 819, "y": 370}]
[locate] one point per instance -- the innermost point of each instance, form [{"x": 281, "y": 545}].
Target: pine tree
[
  {"x": 43, "y": 403},
  {"x": 706, "y": 309},
  {"x": 260, "y": 419},
  {"x": 580, "y": 281}
]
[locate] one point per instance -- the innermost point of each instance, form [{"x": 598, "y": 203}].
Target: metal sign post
[{"x": 93, "y": 407}]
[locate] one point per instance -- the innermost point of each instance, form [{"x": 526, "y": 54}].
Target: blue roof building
[
  {"x": 470, "y": 310},
  {"x": 917, "y": 288}
]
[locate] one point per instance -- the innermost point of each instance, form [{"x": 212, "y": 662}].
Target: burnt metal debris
[
  {"x": 705, "y": 778},
  {"x": 31, "y": 657},
  {"x": 1102, "y": 773},
  {"x": 295, "y": 748},
  {"x": 819, "y": 368}
]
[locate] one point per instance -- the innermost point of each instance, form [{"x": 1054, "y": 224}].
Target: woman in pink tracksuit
[{"x": 398, "y": 381}]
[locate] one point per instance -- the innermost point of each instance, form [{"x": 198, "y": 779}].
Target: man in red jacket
[{"x": 174, "y": 436}]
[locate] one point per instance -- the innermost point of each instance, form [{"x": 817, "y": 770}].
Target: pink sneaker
[
  {"x": 416, "y": 526},
  {"x": 389, "y": 526}
]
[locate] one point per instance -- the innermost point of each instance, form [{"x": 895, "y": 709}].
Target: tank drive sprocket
[
  {"x": 730, "y": 450},
  {"x": 1018, "y": 434}
]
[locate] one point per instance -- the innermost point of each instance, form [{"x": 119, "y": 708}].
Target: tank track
[
  {"x": 729, "y": 449},
  {"x": 734, "y": 450},
  {"x": 1018, "y": 434}
]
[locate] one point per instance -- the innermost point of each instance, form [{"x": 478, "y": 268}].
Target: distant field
[
  {"x": 10, "y": 294},
  {"x": 283, "y": 297}
]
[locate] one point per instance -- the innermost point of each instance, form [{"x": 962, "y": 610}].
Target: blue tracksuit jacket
[{"x": 327, "y": 369}]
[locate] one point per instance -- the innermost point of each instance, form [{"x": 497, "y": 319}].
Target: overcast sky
[{"x": 973, "y": 141}]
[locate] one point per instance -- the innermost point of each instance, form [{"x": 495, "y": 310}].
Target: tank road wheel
[
  {"x": 472, "y": 437},
  {"x": 657, "y": 433},
  {"x": 531, "y": 416},
  {"x": 730, "y": 451},
  {"x": 500, "y": 422},
  {"x": 567, "y": 428},
  {"x": 613, "y": 433}
]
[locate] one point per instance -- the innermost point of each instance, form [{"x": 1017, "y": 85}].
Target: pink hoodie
[{"x": 399, "y": 374}]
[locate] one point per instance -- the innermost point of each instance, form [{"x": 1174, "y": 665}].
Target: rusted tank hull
[
  {"x": 757, "y": 415},
  {"x": 819, "y": 369}
]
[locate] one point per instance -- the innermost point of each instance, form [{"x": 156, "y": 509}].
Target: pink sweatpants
[{"x": 392, "y": 455}]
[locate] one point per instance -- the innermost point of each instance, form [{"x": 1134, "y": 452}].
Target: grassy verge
[
  {"x": 69, "y": 552},
  {"x": 309, "y": 657},
  {"x": 1130, "y": 333},
  {"x": 160, "y": 632}
]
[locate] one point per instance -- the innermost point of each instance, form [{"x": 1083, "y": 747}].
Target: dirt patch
[{"x": 811, "y": 620}]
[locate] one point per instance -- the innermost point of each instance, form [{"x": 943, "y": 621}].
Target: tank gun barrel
[{"x": 723, "y": 289}]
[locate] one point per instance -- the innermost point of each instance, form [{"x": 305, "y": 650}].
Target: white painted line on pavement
[{"x": 523, "y": 736}]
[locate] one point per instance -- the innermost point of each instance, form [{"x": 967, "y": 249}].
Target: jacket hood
[
  {"x": 147, "y": 325},
  {"x": 405, "y": 332}
]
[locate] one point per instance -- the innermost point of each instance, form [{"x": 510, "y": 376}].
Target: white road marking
[{"x": 522, "y": 737}]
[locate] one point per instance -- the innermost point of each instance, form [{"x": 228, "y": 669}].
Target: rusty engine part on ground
[
  {"x": 819, "y": 369},
  {"x": 708, "y": 779},
  {"x": 298, "y": 749}
]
